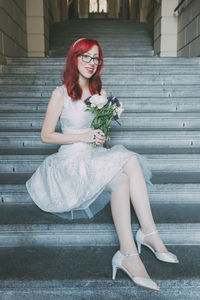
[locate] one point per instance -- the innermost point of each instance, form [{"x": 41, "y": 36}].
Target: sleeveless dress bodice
[
  {"x": 76, "y": 181},
  {"x": 74, "y": 118}
]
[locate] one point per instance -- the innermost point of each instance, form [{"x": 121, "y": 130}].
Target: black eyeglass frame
[{"x": 100, "y": 60}]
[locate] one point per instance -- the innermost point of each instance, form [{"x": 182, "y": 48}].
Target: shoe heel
[
  {"x": 139, "y": 246},
  {"x": 114, "y": 268}
]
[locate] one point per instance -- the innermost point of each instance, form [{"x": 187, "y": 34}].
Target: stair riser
[
  {"x": 133, "y": 44},
  {"x": 108, "y": 70},
  {"x": 141, "y": 80},
  {"x": 183, "y": 167},
  {"x": 105, "y": 38},
  {"x": 120, "y": 91},
  {"x": 131, "y": 124},
  {"x": 135, "y": 38},
  {"x": 88, "y": 235},
  {"x": 113, "y": 53},
  {"x": 149, "y": 145},
  {"x": 130, "y": 105},
  {"x": 176, "y": 193},
  {"x": 143, "y": 61}
]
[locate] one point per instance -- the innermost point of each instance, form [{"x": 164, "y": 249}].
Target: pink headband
[{"x": 77, "y": 41}]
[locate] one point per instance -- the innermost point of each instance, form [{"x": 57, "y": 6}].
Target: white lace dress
[{"x": 76, "y": 181}]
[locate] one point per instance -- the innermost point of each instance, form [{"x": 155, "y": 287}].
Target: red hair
[{"x": 70, "y": 75}]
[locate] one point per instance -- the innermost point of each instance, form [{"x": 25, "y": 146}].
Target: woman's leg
[
  {"x": 140, "y": 201},
  {"x": 120, "y": 207}
]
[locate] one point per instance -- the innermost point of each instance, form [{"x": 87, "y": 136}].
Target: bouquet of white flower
[{"x": 107, "y": 109}]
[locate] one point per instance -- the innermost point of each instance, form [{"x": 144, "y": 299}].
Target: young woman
[{"x": 71, "y": 183}]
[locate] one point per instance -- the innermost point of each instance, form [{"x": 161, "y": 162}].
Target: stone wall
[
  {"x": 157, "y": 30},
  {"x": 189, "y": 29},
  {"x": 13, "y": 38},
  {"x": 25, "y": 25}
]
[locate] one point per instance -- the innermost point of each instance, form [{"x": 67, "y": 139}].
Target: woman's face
[{"x": 87, "y": 69}]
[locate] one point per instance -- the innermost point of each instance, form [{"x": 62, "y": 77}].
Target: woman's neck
[{"x": 84, "y": 83}]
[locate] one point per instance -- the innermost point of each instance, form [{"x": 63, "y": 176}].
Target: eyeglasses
[{"x": 87, "y": 58}]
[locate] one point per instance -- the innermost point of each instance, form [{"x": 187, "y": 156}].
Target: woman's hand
[{"x": 88, "y": 136}]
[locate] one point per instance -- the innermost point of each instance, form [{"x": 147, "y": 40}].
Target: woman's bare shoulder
[
  {"x": 58, "y": 92},
  {"x": 57, "y": 96}
]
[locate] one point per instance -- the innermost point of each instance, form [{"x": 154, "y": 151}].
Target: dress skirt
[{"x": 76, "y": 182}]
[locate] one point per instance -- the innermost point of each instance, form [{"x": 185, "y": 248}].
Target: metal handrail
[
  {"x": 177, "y": 7},
  {"x": 178, "y": 10}
]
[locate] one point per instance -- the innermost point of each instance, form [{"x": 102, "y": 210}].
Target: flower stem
[{"x": 96, "y": 115}]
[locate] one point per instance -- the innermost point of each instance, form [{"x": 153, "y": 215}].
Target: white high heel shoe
[
  {"x": 140, "y": 281},
  {"x": 163, "y": 256}
]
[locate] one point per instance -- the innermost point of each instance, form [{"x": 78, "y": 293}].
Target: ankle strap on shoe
[
  {"x": 131, "y": 254},
  {"x": 151, "y": 233}
]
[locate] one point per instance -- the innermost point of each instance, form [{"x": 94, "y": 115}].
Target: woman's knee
[
  {"x": 131, "y": 164},
  {"x": 117, "y": 181},
  {"x": 124, "y": 185}
]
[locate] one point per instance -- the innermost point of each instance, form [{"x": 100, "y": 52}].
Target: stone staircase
[
  {"x": 116, "y": 37},
  {"x": 45, "y": 257}
]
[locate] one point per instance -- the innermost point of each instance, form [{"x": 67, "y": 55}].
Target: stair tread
[
  {"x": 115, "y": 135},
  {"x": 127, "y": 60},
  {"x": 164, "y": 156},
  {"x": 125, "y": 115}
]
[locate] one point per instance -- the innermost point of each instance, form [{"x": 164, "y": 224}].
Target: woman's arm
[{"x": 53, "y": 112}]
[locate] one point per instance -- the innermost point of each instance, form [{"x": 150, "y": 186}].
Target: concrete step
[
  {"x": 103, "y": 38},
  {"x": 74, "y": 28},
  {"x": 167, "y": 70},
  {"x": 130, "y": 121},
  {"x": 102, "y": 29},
  {"x": 112, "y": 70},
  {"x": 166, "y": 168},
  {"x": 33, "y": 273},
  {"x": 115, "y": 53},
  {"x": 108, "y": 21},
  {"x": 102, "y": 35},
  {"x": 110, "y": 61},
  {"x": 153, "y": 142},
  {"x": 111, "y": 30},
  {"x": 28, "y": 225},
  {"x": 117, "y": 90},
  {"x": 134, "y": 105},
  {"x": 128, "y": 79},
  {"x": 11, "y": 194},
  {"x": 134, "y": 40}
]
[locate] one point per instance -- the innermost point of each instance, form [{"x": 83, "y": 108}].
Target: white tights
[{"x": 129, "y": 184}]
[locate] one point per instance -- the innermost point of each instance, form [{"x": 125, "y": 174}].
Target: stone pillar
[
  {"x": 35, "y": 12},
  {"x": 145, "y": 6},
  {"x": 165, "y": 29},
  {"x": 169, "y": 27},
  {"x": 83, "y": 8},
  {"x": 64, "y": 10},
  {"x": 113, "y": 9},
  {"x": 59, "y": 9},
  {"x": 124, "y": 9}
]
